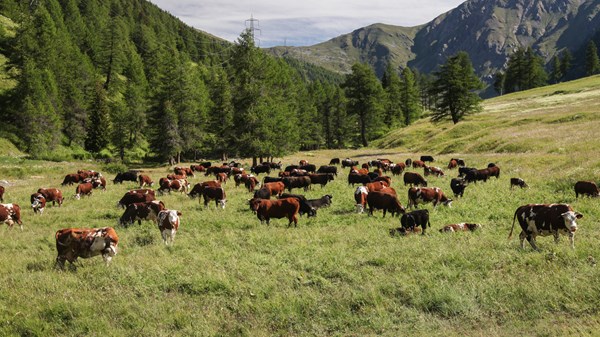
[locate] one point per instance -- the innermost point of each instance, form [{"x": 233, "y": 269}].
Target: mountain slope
[{"x": 488, "y": 30}]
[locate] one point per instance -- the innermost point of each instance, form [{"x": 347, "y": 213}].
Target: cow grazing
[
  {"x": 271, "y": 179},
  {"x": 221, "y": 177},
  {"x": 328, "y": 169},
  {"x": 418, "y": 163},
  {"x": 473, "y": 176},
  {"x": 430, "y": 170},
  {"x": 544, "y": 220},
  {"x": 296, "y": 182},
  {"x": 98, "y": 182},
  {"x": 141, "y": 211},
  {"x": 588, "y": 188},
  {"x": 72, "y": 243},
  {"x": 281, "y": 208},
  {"x": 275, "y": 188},
  {"x": 355, "y": 178},
  {"x": 452, "y": 164},
  {"x": 199, "y": 187},
  {"x": 408, "y": 162},
  {"x": 424, "y": 195},
  {"x": 177, "y": 185},
  {"x": 334, "y": 161},
  {"x": 462, "y": 171},
  {"x": 349, "y": 163},
  {"x": 494, "y": 171},
  {"x": 186, "y": 171},
  {"x": 412, "y": 178},
  {"x": 197, "y": 168},
  {"x": 398, "y": 168},
  {"x": 168, "y": 224},
  {"x": 518, "y": 182},
  {"x": 376, "y": 186},
  {"x": 459, "y": 162},
  {"x": 52, "y": 194},
  {"x": 9, "y": 214},
  {"x": 272, "y": 165},
  {"x": 324, "y": 201},
  {"x": 145, "y": 180},
  {"x": 261, "y": 169},
  {"x": 360, "y": 197},
  {"x": 214, "y": 193},
  {"x": 217, "y": 169},
  {"x": 143, "y": 191},
  {"x": 460, "y": 227},
  {"x": 321, "y": 179},
  {"x": 83, "y": 189},
  {"x": 251, "y": 183},
  {"x": 458, "y": 186},
  {"x": 305, "y": 207},
  {"x": 263, "y": 193},
  {"x": 385, "y": 201},
  {"x": 38, "y": 203},
  {"x": 133, "y": 197},
  {"x": 173, "y": 176},
  {"x": 310, "y": 168},
  {"x": 427, "y": 158},
  {"x": 71, "y": 179},
  {"x": 125, "y": 176},
  {"x": 419, "y": 218}
]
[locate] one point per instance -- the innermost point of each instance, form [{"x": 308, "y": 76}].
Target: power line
[{"x": 253, "y": 28}]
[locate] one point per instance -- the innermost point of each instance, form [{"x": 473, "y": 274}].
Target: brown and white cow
[
  {"x": 52, "y": 194},
  {"x": 360, "y": 197},
  {"x": 460, "y": 227},
  {"x": 588, "y": 188},
  {"x": 281, "y": 208},
  {"x": 72, "y": 243},
  {"x": 38, "y": 203},
  {"x": 11, "y": 213},
  {"x": 545, "y": 220},
  {"x": 145, "y": 180},
  {"x": 133, "y": 197},
  {"x": 397, "y": 168},
  {"x": 431, "y": 170},
  {"x": 168, "y": 224},
  {"x": 71, "y": 179},
  {"x": 99, "y": 182},
  {"x": 221, "y": 177},
  {"x": 376, "y": 186},
  {"x": 184, "y": 171},
  {"x": 141, "y": 211},
  {"x": 424, "y": 195},
  {"x": 83, "y": 189},
  {"x": 199, "y": 187},
  {"x": 214, "y": 193}
]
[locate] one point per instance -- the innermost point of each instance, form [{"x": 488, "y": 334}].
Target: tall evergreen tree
[
  {"x": 455, "y": 88},
  {"x": 565, "y": 62},
  {"x": 409, "y": 97},
  {"x": 592, "y": 63},
  {"x": 365, "y": 96},
  {"x": 395, "y": 114},
  {"x": 341, "y": 122},
  {"x": 536, "y": 75},
  {"x": 556, "y": 72},
  {"x": 221, "y": 128},
  {"x": 499, "y": 82},
  {"x": 98, "y": 127}
]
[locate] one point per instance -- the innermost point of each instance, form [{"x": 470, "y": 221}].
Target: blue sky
[{"x": 301, "y": 22}]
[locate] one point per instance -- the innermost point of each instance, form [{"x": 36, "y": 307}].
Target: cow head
[
  {"x": 222, "y": 203},
  {"x": 448, "y": 202},
  {"x": 254, "y": 204},
  {"x": 38, "y": 202},
  {"x": 570, "y": 218}
]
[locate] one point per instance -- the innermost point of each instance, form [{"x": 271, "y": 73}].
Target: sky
[{"x": 300, "y": 22}]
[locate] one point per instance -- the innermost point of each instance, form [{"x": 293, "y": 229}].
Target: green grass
[{"x": 337, "y": 274}]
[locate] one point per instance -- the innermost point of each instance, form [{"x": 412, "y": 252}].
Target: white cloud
[{"x": 304, "y": 22}]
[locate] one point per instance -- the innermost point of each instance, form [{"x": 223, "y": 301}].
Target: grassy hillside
[{"x": 339, "y": 273}]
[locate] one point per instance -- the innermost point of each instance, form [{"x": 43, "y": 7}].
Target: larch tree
[
  {"x": 394, "y": 105},
  {"x": 410, "y": 101},
  {"x": 592, "y": 62}
]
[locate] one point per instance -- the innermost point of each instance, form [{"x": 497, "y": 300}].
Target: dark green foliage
[
  {"x": 592, "y": 62},
  {"x": 409, "y": 97},
  {"x": 556, "y": 72},
  {"x": 499, "y": 82},
  {"x": 365, "y": 101},
  {"x": 565, "y": 62},
  {"x": 394, "y": 114},
  {"x": 525, "y": 70},
  {"x": 455, "y": 89},
  {"x": 98, "y": 127}
]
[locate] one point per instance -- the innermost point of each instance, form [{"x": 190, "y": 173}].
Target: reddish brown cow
[
  {"x": 168, "y": 224},
  {"x": 418, "y": 163},
  {"x": 452, "y": 164},
  {"x": 460, "y": 227},
  {"x": 427, "y": 194},
  {"x": 398, "y": 168},
  {"x": 276, "y": 188},
  {"x": 436, "y": 171},
  {"x": 544, "y": 220},
  {"x": 9, "y": 214},
  {"x": 184, "y": 171},
  {"x": 38, "y": 203},
  {"x": 52, "y": 194},
  {"x": 71, "y": 179},
  {"x": 99, "y": 182},
  {"x": 72, "y": 243},
  {"x": 385, "y": 179},
  {"x": 363, "y": 171},
  {"x": 267, "y": 209},
  {"x": 384, "y": 200},
  {"x": 141, "y": 211},
  {"x": 251, "y": 183},
  {"x": 145, "y": 180},
  {"x": 588, "y": 188},
  {"x": 197, "y": 168},
  {"x": 83, "y": 189},
  {"x": 413, "y": 178},
  {"x": 173, "y": 176},
  {"x": 221, "y": 177},
  {"x": 376, "y": 186},
  {"x": 199, "y": 187},
  {"x": 303, "y": 162},
  {"x": 143, "y": 191},
  {"x": 133, "y": 197}
]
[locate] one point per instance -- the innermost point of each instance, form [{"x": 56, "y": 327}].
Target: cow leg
[
  {"x": 556, "y": 237},
  {"x": 531, "y": 240},
  {"x": 572, "y": 239},
  {"x": 522, "y": 237},
  {"x": 384, "y": 211},
  {"x": 60, "y": 262}
]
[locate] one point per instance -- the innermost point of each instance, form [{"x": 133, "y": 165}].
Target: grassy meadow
[{"x": 340, "y": 273}]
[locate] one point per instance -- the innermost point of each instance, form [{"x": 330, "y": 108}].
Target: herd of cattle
[{"x": 373, "y": 193}]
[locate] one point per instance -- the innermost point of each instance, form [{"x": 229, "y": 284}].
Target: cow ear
[{"x": 578, "y": 215}]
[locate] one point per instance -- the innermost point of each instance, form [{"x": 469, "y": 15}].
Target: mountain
[{"x": 489, "y": 30}]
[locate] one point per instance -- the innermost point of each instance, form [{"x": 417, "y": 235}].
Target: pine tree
[
  {"x": 365, "y": 96},
  {"x": 409, "y": 97},
  {"x": 395, "y": 112},
  {"x": 556, "y": 73},
  {"x": 536, "y": 75},
  {"x": 340, "y": 120},
  {"x": 565, "y": 62},
  {"x": 98, "y": 127},
  {"x": 455, "y": 88},
  {"x": 499, "y": 82},
  {"x": 592, "y": 63},
  {"x": 221, "y": 124}
]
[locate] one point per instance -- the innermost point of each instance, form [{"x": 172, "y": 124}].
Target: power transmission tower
[{"x": 250, "y": 25}]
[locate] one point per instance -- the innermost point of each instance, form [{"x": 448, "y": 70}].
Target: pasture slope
[{"x": 339, "y": 273}]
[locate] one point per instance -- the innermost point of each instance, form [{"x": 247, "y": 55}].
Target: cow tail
[{"x": 513, "y": 224}]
